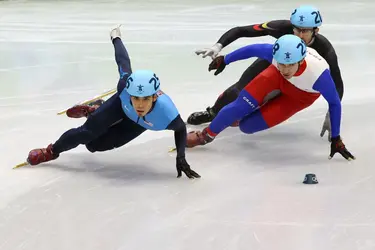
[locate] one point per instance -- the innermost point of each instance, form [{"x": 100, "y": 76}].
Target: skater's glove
[
  {"x": 337, "y": 146},
  {"x": 326, "y": 127},
  {"x": 183, "y": 166},
  {"x": 218, "y": 64},
  {"x": 212, "y": 52}
]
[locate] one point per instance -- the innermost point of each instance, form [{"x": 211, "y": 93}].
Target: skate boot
[
  {"x": 196, "y": 138},
  {"x": 84, "y": 110},
  {"x": 40, "y": 155},
  {"x": 115, "y": 33},
  {"x": 201, "y": 117}
]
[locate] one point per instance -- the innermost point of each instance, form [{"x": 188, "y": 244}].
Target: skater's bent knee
[
  {"x": 90, "y": 147},
  {"x": 253, "y": 123},
  {"x": 245, "y": 128},
  {"x": 100, "y": 146}
]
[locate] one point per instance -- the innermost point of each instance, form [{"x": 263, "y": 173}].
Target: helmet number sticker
[
  {"x": 276, "y": 47},
  {"x": 318, "y": 17},
  {"x": 156, "y": 82},
  {"x": 128, "y": 81},
  {"x": 303, "y": 52}
]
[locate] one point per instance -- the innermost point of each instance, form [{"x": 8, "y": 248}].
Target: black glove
[
  {"x": 337, "y": 146},
  {"x": 183, "y": 166},
  {"x": 218, "y": 64}
]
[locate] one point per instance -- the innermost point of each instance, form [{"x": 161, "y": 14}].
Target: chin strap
[{"x": 312, "y": 38}]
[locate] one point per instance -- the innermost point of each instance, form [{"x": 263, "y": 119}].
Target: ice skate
[
  {"x": 201, "y": 117},
  {"x": 83, "y": 110},
  {"x": 40, "y": 155}
]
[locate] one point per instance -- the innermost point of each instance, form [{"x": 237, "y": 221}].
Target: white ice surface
[{"x": 56, "y": 53}]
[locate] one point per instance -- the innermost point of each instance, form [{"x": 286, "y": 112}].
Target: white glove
[
  {"x": 326, "y": 127},
  {"x": 115, "y": 32},
  {"x": 212, "y": 52}
]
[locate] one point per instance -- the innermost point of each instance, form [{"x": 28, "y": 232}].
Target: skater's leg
[
  {"x": 233, "y": 91},
  {"x": 273, "y": 113},
  {"x": 248, "y": 100},
  {"x": 97, "y": 124}
]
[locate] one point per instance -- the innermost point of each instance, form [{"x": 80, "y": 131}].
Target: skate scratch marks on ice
[
  {"x": 54, "y": 64},
  {"x": 256, "y": 237},
  {"x": 363, "y": 180},
  {"x": 61, "y": 92},
  {"x": 50, "y": 181}
]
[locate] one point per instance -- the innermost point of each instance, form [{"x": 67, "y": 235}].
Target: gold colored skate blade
[
  {"x": 172, "y": 150},
  {"x": 109, "y": 92},
  {"x": 21, "y": 165}
]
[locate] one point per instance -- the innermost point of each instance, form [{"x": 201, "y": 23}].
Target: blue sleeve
[
  {"x": 261, "y": 50},
  {"x": 326, "y": 87},
  {"x": 122, "y": 58}
]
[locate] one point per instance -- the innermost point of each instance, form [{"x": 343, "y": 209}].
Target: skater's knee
[
  {"x": 253, "y": 123},
  {"x": 95, "y": 146},
  {"x": 246, "y": 128},
  {"x": 91, "y": 147},
  {"x": 99, "y": 145},
  {"x": 249, "y": 128}
]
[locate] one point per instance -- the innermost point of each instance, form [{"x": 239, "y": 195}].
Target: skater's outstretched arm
[
  {"x": 326, "y": 87},
  {"x": 263, "y": 51},
  {"x": 122, "y": 58},
  {"x": 274, "y": 28},
  {"x": 179, "y": 127}
]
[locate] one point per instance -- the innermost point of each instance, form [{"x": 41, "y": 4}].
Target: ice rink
[{"x": 54, "y": 54}]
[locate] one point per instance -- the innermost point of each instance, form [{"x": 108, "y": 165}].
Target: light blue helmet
[
  {"x": 142, "y": 83},
  {"x": 289, "y": 49},
  {"x": 306, "y": 16}
]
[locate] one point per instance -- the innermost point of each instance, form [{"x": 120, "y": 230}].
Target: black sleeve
[
  {"x": 274, "y": 28},
  {"x": 334, "y": 68},
  {"x": 123, "y": 63},
  {"x": 179, "y": 127},
  {"x": 324, "y": 47},
  {"x": 122, "y": 57}
]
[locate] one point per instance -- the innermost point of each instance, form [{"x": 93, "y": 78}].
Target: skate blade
[
  {"x": 21, "y": 165},
  {"x": 175, "y": 149},
  {"x": 172, "y": 150}
]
